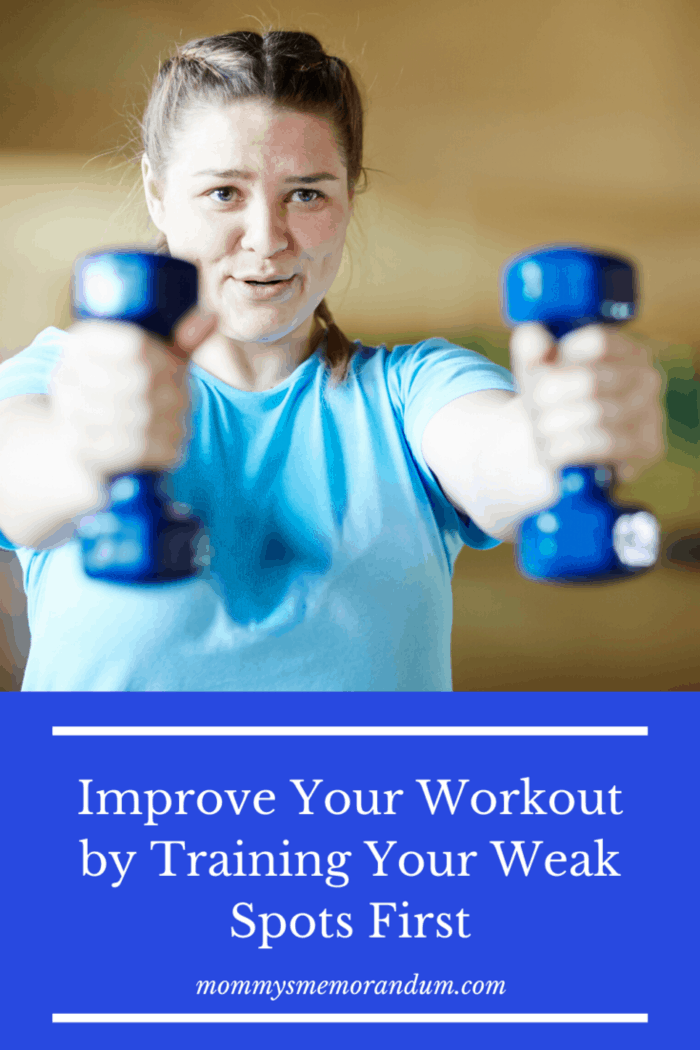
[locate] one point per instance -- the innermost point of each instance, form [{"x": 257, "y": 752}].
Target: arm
[
  {"x": 42, "y": 488},
  {"x": 117, "y": 404},
  {"x": 496, "y": 455},
  {"x": 480, "y": 449}
]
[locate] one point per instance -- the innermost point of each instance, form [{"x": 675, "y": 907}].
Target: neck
[{"x": 258, "y": 366}]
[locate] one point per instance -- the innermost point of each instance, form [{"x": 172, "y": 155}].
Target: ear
[{"x": 153, "y": 192}]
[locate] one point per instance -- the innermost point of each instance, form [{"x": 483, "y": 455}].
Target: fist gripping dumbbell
[
  {"x": 585, "y": 537},
  {"x": 139, "y": 537}
]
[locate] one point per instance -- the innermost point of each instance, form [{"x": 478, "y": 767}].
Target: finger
[
  {"x": 107, "y": 338},
  {"x": 192, "y": 329},
  {"x": 628, "y": 412},
  {"x": 635, "y": 444},
  {"x": 617, "y": 377},
  {"x": 584, "y": 345},
  {"x": 111, "y": 336},
  {"x": 584, "y": 443},
  {"x": 598, "y": 342},
  {"x": 638, "y": 392},
  {"x": 563, "y": 386},
  {"x": 646, "y": 434},
  {"x": 557, "y": 422},
  {"x": 531, "y": 347}
]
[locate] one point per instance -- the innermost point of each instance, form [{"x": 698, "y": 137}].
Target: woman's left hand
[{"x": 591, "y": 398}]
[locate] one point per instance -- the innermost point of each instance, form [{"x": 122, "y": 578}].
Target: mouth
[
  {"x": 265, "y": 289},
  {"x": 271, "y": 280}
]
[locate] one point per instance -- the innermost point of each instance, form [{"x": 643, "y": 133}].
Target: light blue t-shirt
[{"x": 332, "y": 543}]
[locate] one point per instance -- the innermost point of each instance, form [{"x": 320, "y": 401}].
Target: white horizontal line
[
  {"x": 350, "y": 1018},
  {"x": 350, "y": 731}
]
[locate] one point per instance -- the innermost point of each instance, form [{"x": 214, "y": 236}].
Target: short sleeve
[
  {"x": 424, "y": 377},
  {"x": 29, "y": 372}
]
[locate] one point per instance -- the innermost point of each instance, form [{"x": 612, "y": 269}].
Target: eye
[
  {"x": 227, "y": 194},
  {"x": 311, "y": 196}
]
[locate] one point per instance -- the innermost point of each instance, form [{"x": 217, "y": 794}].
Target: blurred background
[{"x": 493, "y": 126}]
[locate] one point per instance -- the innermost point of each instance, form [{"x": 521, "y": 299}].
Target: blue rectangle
[{"x": 602, "y": 927}]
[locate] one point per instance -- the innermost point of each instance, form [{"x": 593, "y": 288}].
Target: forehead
[{"x": 258, "y": 135}]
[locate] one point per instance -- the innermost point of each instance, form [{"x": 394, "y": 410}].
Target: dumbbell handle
[
  {"x": 585, "y": 537},
  {"x": 139, "y": 537}
]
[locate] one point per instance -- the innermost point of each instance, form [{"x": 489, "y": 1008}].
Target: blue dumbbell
[
  {"x": 585, "y": 537},
  {"x": 139, "y": 537}
]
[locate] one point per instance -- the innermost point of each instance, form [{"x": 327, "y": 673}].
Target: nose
[{"x": 264, "y": 228}]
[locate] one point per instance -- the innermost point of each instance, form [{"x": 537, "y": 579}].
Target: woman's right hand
[
  {"x": 117, "y": 404},
  {"x": 119, "y": 395}
]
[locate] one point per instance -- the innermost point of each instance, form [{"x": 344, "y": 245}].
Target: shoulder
[
  {"x": 436, "y": 364},
  {"x": 46, "y": 346},
  {"x": 437, "y": 351},
  {"x": 47, "y": 339},
  {"x": 431, "y": 352},
  {"x": 28, "y": 371}
]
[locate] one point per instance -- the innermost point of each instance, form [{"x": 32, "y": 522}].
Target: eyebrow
[{"x": 236, "y": 173}]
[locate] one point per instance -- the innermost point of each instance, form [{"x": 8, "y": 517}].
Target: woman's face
[{"x": 255, "y": 194}]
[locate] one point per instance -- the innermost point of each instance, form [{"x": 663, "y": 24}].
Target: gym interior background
[{"x": 493, "y": 126}]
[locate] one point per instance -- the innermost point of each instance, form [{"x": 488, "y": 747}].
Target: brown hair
[{"x": 288, "y": 69}]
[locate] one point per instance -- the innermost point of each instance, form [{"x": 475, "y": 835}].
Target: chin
[{"x": 259, "y": 332}]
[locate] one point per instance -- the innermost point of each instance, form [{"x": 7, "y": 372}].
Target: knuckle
[
  {"x": 548, "y": 391},
  {"x": 587, "y": 382},
  {"x": 595, "y": 413},
  {"x": 549, "y": 423},
  {"x": 598, "y": 442},
  {"x": 653, "y": 382}
]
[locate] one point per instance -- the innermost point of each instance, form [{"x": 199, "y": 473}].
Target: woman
[{"x": 338, "y": 482}]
